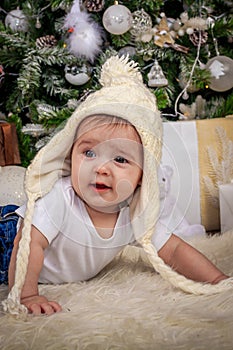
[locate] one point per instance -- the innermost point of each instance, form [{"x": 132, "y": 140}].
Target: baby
[{"x": 91, "y": 191}]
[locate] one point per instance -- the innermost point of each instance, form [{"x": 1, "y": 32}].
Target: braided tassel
[
  {"x": 12, "y": 303},
  {"x": 180, "y": 281}
]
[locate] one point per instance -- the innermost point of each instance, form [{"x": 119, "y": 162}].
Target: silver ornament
[
  {"x": 78, "y": 75},
  {"x": 127, "y": 50},
  {"x": 156, "y": 76},
  {"x": 221, "y": 69},
  {"x": 141, "y": 23},
  {"x": 17, "y": 21}
]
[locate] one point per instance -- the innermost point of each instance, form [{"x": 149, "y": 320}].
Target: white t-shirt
[{"x": 76, "y": 252}]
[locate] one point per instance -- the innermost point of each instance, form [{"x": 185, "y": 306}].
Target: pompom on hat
[{"x": 122, "y": 95}]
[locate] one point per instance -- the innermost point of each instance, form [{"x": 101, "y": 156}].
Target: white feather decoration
[{"x": 86, "y": 36}]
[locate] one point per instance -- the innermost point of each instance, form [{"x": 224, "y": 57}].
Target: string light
[{"x": 184, "y": 91}]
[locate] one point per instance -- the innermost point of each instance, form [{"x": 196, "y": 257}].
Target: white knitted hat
[{"x": 123, "y": 95}]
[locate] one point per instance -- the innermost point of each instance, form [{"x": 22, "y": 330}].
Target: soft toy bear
[{"x": 170, "y": 213}]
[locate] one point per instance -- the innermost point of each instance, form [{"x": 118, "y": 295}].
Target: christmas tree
[{"x": 52, "y": 51}]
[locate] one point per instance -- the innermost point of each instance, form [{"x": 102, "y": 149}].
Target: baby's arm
[
  {"x": 30, "y": 297},
  {"x": 189, "y": 262}
]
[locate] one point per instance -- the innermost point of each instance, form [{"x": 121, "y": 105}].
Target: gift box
[
  {"x": 200, "y": 153},
  {"x": 226, "y": 206},
  {"x": 9, "y": 151}
]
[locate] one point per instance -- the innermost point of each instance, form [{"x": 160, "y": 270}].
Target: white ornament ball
[
  {"x": 181, "y": 32},
  {"x": 77, "y": 75},
  {"x": 189, "y": 31},
  {"x": 117, "y": 19},
  {"x": 17, "y": 21}
]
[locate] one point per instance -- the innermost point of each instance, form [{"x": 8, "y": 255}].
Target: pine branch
[
  {"x": 61, "y": 4},
  {"x": 163, "y": 97},
  {"x": 55, "y": 117},
  {"x": 224, "y": 27},
  {"x": 46, "y": 111},
  {"x": 16, "y": 40},
  {"x": 29, "y": 79},
  {"x": 49, "y": 115},
  {"x": 228, "y": 105},
  {"x": 55, "y": 87},
  {"x": 54, "y": 55}
]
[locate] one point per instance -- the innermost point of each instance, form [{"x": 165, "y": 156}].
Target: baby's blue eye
[
  {"x": 120, "y": 159},
  {"x": 90, "y": 154}
]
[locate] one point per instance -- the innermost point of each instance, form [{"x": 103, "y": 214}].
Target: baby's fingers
[
  {"x": 56, "y": 307},
  {"x": 47, "y": 308},
  {"x": 35, "y": 309}
]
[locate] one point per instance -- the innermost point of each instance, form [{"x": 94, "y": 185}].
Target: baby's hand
[{"x": 38, "y": 304}]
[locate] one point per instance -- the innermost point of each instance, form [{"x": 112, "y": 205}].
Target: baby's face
[{"x": 106, "y": 165}]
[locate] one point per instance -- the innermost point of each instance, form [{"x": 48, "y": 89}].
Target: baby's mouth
[{"x": 100, "y": 186}]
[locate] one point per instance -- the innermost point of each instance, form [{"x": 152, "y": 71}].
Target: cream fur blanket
[{"x": 129, "y": 306}]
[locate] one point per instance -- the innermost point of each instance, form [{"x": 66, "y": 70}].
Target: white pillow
[{"x": 12, "y": 185}]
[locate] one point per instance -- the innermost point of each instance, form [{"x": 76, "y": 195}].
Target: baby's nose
[{"x": 103, "y": 168}]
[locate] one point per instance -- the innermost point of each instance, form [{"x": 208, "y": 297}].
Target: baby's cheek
[
  {"x": 76, "y": 176},
  {"x": 124, "y": 188}
]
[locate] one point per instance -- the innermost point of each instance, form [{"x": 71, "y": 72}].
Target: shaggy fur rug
[{"x": 128, "y": 306}]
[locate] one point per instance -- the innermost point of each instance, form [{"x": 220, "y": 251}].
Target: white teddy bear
[{"x": 169, "y": 210}]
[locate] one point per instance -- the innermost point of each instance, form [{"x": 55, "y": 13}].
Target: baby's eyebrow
[{"x": 85, "y": 142}]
